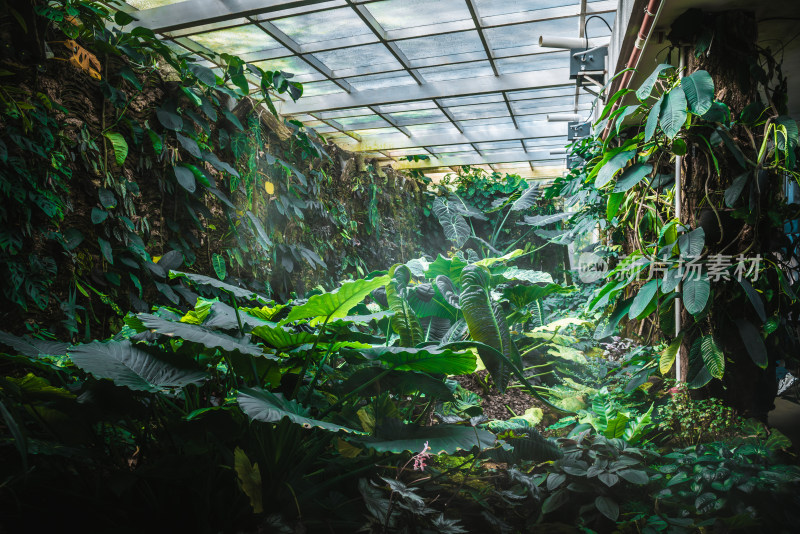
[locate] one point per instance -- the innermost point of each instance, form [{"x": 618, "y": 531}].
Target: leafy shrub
[{"x": 685, "y": 421}]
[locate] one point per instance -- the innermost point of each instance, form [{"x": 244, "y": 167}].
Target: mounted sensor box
[
  {"x": 584, "y": 61},
  {"x": 576, "y": 130}
]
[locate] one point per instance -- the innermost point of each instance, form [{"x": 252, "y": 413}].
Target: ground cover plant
[{"x": 479, "y": 387}]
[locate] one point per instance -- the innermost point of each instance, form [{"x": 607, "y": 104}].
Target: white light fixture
[
  {"x": 564, "y": 117},
  {"x": 553, "y": 41},
  {"x": 558, "y": 151}
]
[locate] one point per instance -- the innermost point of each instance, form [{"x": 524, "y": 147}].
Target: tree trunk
[{"x": 731, "y": 52}]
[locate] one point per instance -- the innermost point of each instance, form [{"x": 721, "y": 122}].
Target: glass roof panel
[
  {"x": 500, "y": 145},
  {"x": 551, "y": 60},
  {"x": 377, "y": 131},
  {"x": 522, "y": 35},
  {"x": 147, "y": 4},
  {"x": 419, "y": 116},
  {"x": 400, "y": 14},
  {"x": 469, "y": 100},
  {"x": 291, "y": 64},
  {"x": 381, "y": 81},
  {"x": 209, "y": 27},
  {"x": 437, "y": 45},
  {"x": 323, "y": 26},
  {"x": 451, "y": 148},
  {"x": 542, "y": 93},
  {"x": 406, "y": 106},
  {"x": 493, "y": 121},
  {"x": 351, "y": 112},
  {"x": 241, "y": 40},
  {"x": 434, "y": 128},
  {"x": 358, "y": 56},
  {"x": 321, "y": 88},
  {"x": 459, "y": 71},
  {"x": 479, "y": 111},
  {"x": 363, "y": 122},
  {"x": 491, "y": 8}
]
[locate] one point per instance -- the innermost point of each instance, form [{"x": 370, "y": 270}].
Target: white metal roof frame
[{"x": 461, "y": 81}]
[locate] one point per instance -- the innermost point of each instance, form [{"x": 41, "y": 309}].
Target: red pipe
[{"x": 644, "y": 31}]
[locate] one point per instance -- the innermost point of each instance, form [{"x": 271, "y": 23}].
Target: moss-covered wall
[{"x": 207, "y": 181}]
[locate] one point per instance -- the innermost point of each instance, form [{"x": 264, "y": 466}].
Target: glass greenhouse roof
[{"x": 460, "y": 81}]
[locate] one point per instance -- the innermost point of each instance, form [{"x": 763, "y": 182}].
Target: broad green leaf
[
  {"x": 249, "y": 479},
  {"x": 638, "y": 426},
  {"x": 455, "y": 226},
  {"x": 699, "y": 90},
  {"x": 98, "y": 215},
  {"x": 198, "y": 334},
  {"x": 652, "y": 120},
  {"x": 646, "y": 88},
  {"x": 713, "y": 357},
  {"x": 261, "y": 405},
  {"x": 556, "y": 500},
  {"x": 673, "y": 112},
  {"x": 404, "y": 322},
  {"x": 525, "y": 275},
  {"x": 486, "y": 321},
  {"x": 606, "y": 329},
  {"x": 32, "y": 347},
  {"x": 607, "y": 506},
  {"x": 396, "y": 437},
  {"x": 691, "y": 244},
  {"x": 169, "y": 120},
  {"x": 632, "y": 176},
  {"x": 185, "y": 177},
  {"x": 755, "y": 298},
  {"x": 238, "y": 292},
  {"x": 448, "y": 290},
  {"x": 283, "y": 338},
  {"x": 667, "y": 358},
  {"x": 132, "y": 367},
  {"x": 733, "y": 192},
  {"x": 204, "y": 74},
  {"x": 612, "y": 167},
  {"x": 218, "y": 262},
  {"x": 190, "y": 145},
  {"x": 753, "y": 342},
  {"x": 425, "y": 360},
  {"x": 643, "y": 298},
  {"x": 613, "y": 203},
  {"x": 449, "y": 267},
  {"x": 527, "y": 199},
  {"x": 107, "y": 198},
  {"x": 695, "y": 294},
  {"x": 105, "y": 249},
  {"x": 336, "y": 304},
  {"x": 120, "y": 146}
]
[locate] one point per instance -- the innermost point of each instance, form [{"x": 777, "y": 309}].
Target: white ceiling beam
[
  {"x": 429, "y": 91},
  {"x": 484, "y": 134}
]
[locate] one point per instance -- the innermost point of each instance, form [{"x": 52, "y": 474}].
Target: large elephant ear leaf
[
  {"x": 336, "y": 304},
  {"x": 440, "y": 360},
  {"x": 455, "y": 226},
  {"x": 753, "y": 342},
  {"x": 261, "y": 405},
  {"x": 394, "y": 436},
  {"x": 198, "y": 334},
  {"x": 132, "y": 367},
  {"x": 404, "y": 322},
  {"x": 448, "y": 290},
  {"x": 486, "y": 321},
  {"x": 200, "y": 280}
]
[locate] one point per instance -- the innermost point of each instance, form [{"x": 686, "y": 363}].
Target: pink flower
[
  {"x": 419, "y": 458},
  {"x": 673, "y": 391}
]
